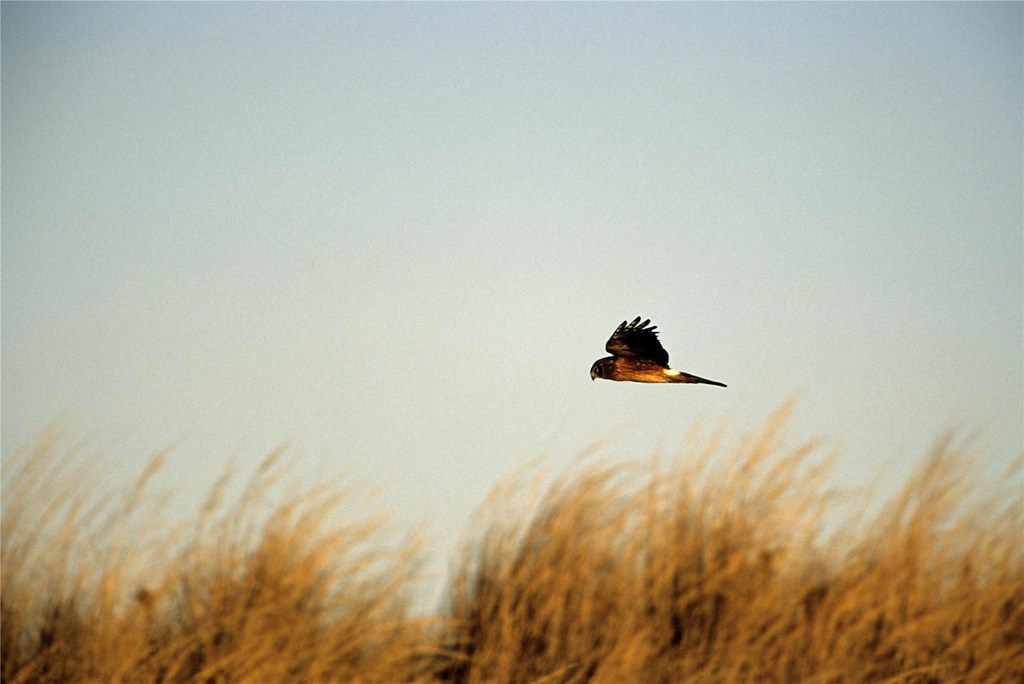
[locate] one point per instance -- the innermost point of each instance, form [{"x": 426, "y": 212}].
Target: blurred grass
[
  {"x": 244, "y": 592},
  {"x": 713, "y": 568}
]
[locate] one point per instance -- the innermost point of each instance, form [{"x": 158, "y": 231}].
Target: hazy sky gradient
[{"x": 399, "y": 234}]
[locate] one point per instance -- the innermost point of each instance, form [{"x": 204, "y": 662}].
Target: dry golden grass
[
  {"x": 716, "y": 571},
  {"x": 714, "y": 568},
  {"x": 249, "y": 592}
]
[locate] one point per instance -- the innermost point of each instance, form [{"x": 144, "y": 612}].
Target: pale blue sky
[{"x": 399, "y": 234}]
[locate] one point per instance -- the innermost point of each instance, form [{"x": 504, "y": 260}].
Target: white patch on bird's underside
[{"x": 672, "y": 371}]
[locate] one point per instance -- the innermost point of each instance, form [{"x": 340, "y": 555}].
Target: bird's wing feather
[{"x": 636, "y": 340}]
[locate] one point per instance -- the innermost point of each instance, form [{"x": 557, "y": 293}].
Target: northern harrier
[{"x": 637, "y": 356}]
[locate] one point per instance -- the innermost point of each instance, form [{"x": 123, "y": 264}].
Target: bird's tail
[{"x": 686, "y": 377}]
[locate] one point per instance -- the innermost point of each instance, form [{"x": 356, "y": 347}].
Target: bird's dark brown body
[
  {"x": 638, "y": 370},
  {"x": 637, "y": 356}
]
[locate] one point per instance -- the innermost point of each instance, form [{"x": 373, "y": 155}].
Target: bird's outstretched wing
[{"x": 636, "y": 340}]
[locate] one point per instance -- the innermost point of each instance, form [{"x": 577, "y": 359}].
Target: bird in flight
[{"x": 637, "y": 356}]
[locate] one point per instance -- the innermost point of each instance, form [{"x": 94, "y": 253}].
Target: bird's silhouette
[{"x": 637, "y": 356}]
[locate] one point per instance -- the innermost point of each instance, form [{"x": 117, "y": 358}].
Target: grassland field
[{"x": 717, "y": 567}]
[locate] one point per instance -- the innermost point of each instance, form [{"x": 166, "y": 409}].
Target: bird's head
[{"x": 597, "y": 370}]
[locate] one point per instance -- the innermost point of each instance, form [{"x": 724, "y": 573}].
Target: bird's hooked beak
[{"x": 593, "y": 373}]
